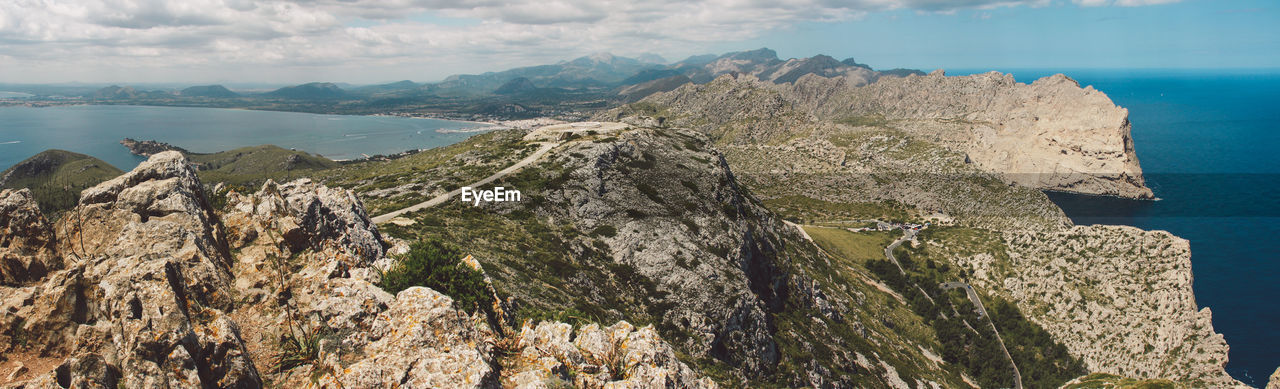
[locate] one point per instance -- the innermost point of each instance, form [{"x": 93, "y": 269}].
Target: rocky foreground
[{"x": 144, "y": 284}]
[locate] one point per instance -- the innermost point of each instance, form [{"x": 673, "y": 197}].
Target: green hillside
[
  {"x": 254, "y": 164},
  {"x": 56, "y": 177}
]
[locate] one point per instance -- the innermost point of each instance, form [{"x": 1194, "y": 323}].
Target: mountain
[
  {"x": 516, "y": 86},
  {"x": 212, "y": 91},
  {"x": 394, "y": 88},
  {"x": 639, "y": 91},
  {"x": 56, "y": 177},
  {"x": 593, "y": 71},
  {"x": 310, "y": 91},
  {"x": 116, "y": 92},
  {"x": 651, "y": 58},
  {"x": 969, "y": 154}
]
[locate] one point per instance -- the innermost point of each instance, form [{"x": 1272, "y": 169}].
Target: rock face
[
  {"x": 1050, "y": 134},
  {"x": 609, "y": 188},
  {"x": 620, "y": 356},
  {"x": 1118, "y": 297},
  {"x": 144, "y": 301},
  {"x": 421, "y": 341},
  {"x": 27, "y": 244},
  {"x": 1274, "y": 383}
]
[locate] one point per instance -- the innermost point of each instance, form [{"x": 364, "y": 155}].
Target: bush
[
  {"x": 605, "y": 230},
  {"x": 437, "y": 265}
]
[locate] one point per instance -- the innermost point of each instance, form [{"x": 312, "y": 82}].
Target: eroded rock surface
[
  {"x": 27, "y": 244},
  {"x": 619, "y": 356},
  {"x": 1118, "y": 297},
  {"x": 161, "y": 290},
  {"x": 144, "y": 303}
]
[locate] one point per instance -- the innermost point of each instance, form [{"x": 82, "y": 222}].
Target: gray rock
[
  {"x": 27, "y": 246},
  {"x": 421, "y": 341},
  {"x": 148, "y": 296}
]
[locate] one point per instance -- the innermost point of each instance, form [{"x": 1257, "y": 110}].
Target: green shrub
[
  {"x": 438, "y": 265},
  {"x": 605, "y": 230}
]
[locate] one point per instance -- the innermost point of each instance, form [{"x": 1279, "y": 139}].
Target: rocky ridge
[
  {"x": 905, "y": 140},
  {"x": 161, "y": 289},
  {"x": 1050, "y": 134}
]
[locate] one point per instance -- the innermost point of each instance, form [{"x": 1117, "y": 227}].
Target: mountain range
[{"x": 596, "y": 75}]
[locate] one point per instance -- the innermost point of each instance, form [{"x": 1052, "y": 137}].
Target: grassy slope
[
  {"x": 255, "y": 164},
  {"x": 56, "y": 177}
]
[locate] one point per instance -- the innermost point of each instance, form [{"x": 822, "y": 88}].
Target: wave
[{"x": 11, "y": 142}]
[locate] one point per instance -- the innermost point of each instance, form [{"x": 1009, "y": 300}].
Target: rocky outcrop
[
  {"x": 27, "y": 244},
  {"x": 619, "y": 356},
  {"x": 147, "y": 148},
  {"x": 152, "y": 296},
  {"x": 145, "y": 301},
  {"x": 1050, "y": 134},
  {"x": 1118, "y": 297},
  {"x": 1274, "y": 383},
  {"x": 420, "y": 341}
]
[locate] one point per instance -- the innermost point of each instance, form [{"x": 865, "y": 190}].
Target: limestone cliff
[
  {"x": 1051, "y": 134},
  {"x": 1117, "y": 296}
]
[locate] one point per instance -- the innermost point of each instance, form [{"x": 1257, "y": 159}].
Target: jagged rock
[
  {"x": 1274, "y": 383},
  {"x": 333, "y": 215},
  {"x": 723, "y": 294},
  {"x": 27, "y": 245},
  {"x": 620, "y": 356},
  {"x": 148, "y": 296},
  {"x": 421, "y": 341}
]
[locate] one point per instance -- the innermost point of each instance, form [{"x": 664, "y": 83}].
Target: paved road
[
  {"x": 982, "y": 312},
  {"x": 888, "y": 251},
  {"x": 546, "y": 146}
]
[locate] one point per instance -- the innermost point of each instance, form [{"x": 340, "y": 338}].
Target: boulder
[
  {"x": 27, "y": 245},
  {"x": 619, "y": 356},
  {"x": 146, "y": 302}
]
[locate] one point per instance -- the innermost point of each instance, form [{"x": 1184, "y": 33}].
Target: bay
[{"x": 96, "y": 130}]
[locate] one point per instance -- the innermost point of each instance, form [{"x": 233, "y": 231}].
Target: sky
[{"x": 373, "y": 41}]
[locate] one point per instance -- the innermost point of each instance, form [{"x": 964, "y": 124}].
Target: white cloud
[{"x": 276, "y": 36}]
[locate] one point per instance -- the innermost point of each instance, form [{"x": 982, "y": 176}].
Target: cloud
[{"x": 136, "y": 35}]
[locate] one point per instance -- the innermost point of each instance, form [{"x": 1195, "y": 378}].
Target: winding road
[
  {"x": 982, "y": 312},
  {"x": 973, "y": 296},
  {"x": 545, "y": 147}
]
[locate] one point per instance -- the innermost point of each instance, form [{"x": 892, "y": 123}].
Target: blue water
[
  {"x": 1209, "y": 143},
  {"x": 97, "y": 130}
]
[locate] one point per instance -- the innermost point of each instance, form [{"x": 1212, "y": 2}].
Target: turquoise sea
[
  {"x": 1209, "y": 144},
  {"x": 97, "y": 130}
]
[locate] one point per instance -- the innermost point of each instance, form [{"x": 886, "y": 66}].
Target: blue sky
[
  {"x": 1191, "y": 34},
  {"x": 368, "y": 41}
]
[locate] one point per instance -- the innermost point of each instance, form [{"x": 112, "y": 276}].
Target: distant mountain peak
[
  {"x": 310, "y": 91},
  {"x": 603, "y": 57}
]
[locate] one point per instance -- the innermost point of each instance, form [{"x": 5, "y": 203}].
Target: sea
[
  {"x": 96, "y": 130},
  {"x": 1209, "y": 145}
]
